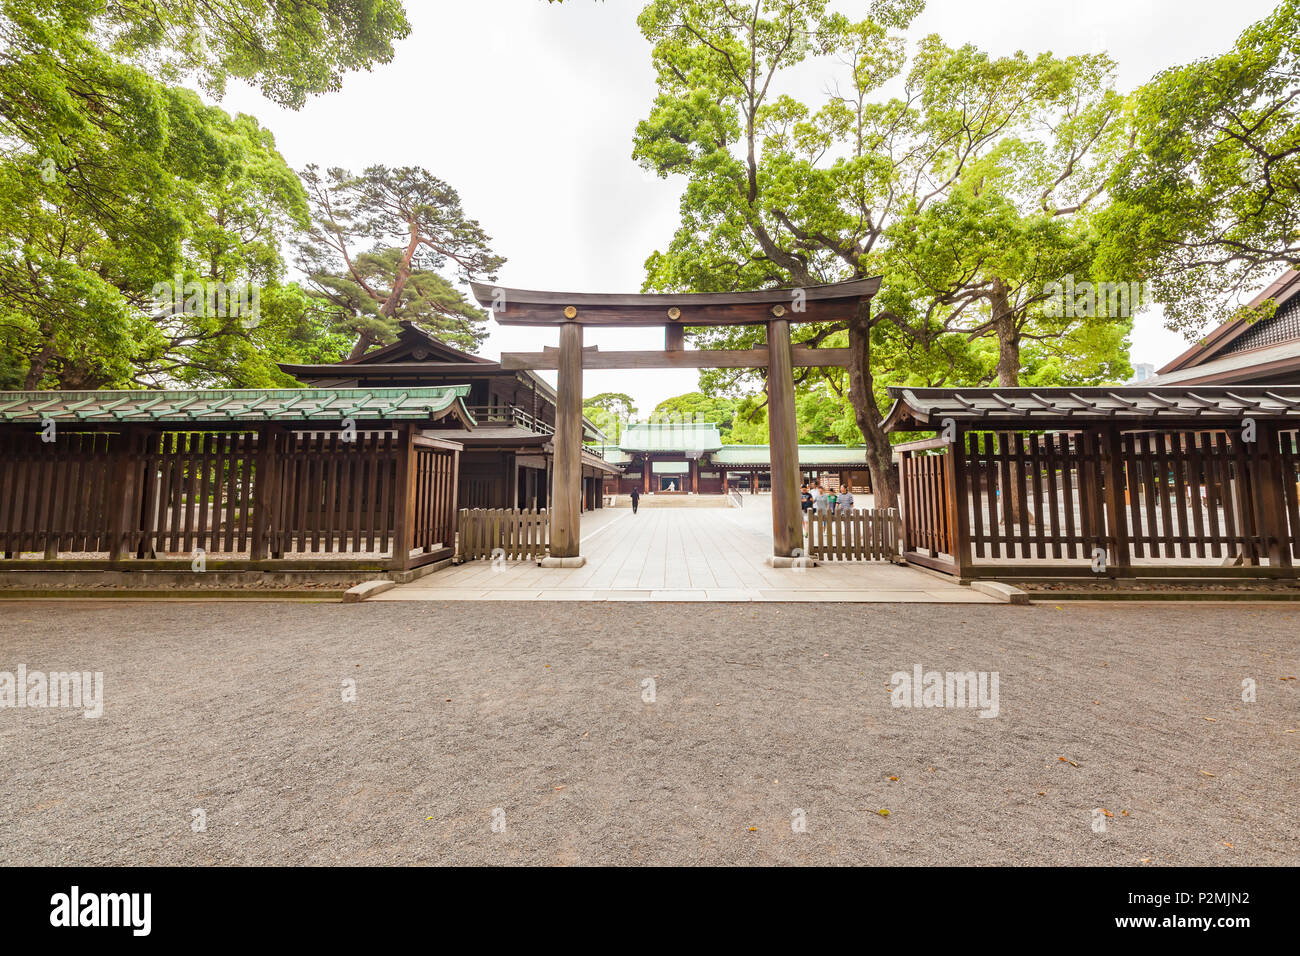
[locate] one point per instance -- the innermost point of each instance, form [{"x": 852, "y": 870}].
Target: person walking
[
  {"x": 636, "y": 498},
  {"x": 845, "y": 501},
  {"x": 821, "y": 501}
]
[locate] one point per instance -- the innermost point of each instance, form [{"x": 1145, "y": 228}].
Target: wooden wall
[
  {"x": 263, "y": 491},
  {"x": 1121, "y": 500}
]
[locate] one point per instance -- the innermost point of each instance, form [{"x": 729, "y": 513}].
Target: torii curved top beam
[{"x": 834, "y": 302}]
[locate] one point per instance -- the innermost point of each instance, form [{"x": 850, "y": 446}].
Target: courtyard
[
  {"x": 683, "y": 554},
  {"x": 651, "y": 733}
]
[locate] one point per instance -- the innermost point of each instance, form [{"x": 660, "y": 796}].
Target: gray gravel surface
[{"x": 537, "y": 709}]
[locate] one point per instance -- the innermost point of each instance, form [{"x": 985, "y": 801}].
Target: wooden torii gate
[{"x": 774, "y": 308}]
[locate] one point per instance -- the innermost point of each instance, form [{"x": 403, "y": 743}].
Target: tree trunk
[
  {"x": 363, "y": 343},
  {"x": 880, "y": 453},
  {"x": 388, "y": 308},
  {"x": 1004, "y": 326},
  {"x": 36, "y": 368}
]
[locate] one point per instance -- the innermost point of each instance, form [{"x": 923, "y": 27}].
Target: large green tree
[
  {"x": 289, "y": 49},
  {"x": 112, "y": 180},
  {"x": 1207, "y": 200},
  {"x": 379, "y": 245},
  {"x": 610, "y": 412},
  {"x": 698, "y": 407},
  {"x": 780, "y": 192},
  {"x": 90, "y": 302}
]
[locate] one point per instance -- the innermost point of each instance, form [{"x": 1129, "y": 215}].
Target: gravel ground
[{"x": 537, "y": 709}]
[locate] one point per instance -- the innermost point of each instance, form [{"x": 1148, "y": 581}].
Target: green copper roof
[
  {"x": 225, "y": 405},
  {"x": 809, "y": 455},
  {"x": 684, "y": 436}
]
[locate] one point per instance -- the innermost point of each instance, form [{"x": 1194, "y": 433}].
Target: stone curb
[{"x": 367, "y": 589}]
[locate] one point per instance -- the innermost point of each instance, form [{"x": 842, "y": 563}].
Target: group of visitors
[{"x": 822, "y": 500}]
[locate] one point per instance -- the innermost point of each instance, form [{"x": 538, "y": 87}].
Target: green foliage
[
  {"x": 825, "y": 416},
  {"x": 968, "y": 193},
  {"x": 698, "y": 407},
  {"x": 87, "y": 292},
  {"x": 289, "y": 49},
  {"x": 116, "y": 187},
  {"x": 1207, "y": 199},
  {"x": 609, "y": 411},
  {"x": 749, "y": 427}
]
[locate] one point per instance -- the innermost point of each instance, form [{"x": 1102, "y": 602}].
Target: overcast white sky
[{"x": 528, "y": 109}]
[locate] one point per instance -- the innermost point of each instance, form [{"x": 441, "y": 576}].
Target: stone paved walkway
[{"x": 696, "y": 554}]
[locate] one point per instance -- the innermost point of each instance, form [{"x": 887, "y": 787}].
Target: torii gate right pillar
[{"x": 783, "y": 440}]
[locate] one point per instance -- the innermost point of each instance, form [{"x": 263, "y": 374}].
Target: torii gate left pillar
[
  {"x": 783, "y": 443},
  {"x": 566, "y": 501}
]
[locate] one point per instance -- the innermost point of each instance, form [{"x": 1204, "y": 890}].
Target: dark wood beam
[
  {"x": 835, "y": 302},
  {"x": 834, "y": 310},
  {"x": 592, "y": 358}
]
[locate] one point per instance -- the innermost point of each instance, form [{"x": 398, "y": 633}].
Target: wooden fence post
[
  {"x": 453, "y": 499},
  {"x": 127, "y": 471},
  {"x": 959, "y": 545},
  {"x": 1116, "y": 524},
  {"x": 1246, "y": 496},
  {"x": 404, "y": 498},
  {"x": 1270, "y": 493},
  {"x": 904, "y": 504},
  {"x": 264, "y": 494}
]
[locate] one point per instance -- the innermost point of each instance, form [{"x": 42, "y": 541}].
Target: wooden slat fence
[
  {"x": 333, "y": 495},
  {"x": 869, "y": 534},
  {"x": 1185, "y": 494},
  {"x": 1190, "y": 493},
  {"x": 923, "y": 482},
  {"x": 1289, "y": 448},
  {"x": 54, "y": 496},
  {"x": 195, "y": 490},
  {"x": 258, "y": 493},
  {"x": 520, "y": 533},
  {"x": 1033, "y": 496},
  {"x": 1176, "y": 495},
  {"x": 435, "y": 497}
]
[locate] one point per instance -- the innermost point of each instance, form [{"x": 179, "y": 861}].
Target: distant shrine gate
[{"x": 774, "y": 308}]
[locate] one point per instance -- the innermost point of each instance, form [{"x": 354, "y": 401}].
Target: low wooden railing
[
  {"x": 515, "y": 534},
  {"x": 434, "y": 522},
  {"x": 924, "y": 473},
  {"x": 870, "y": 534},
  {"x": 509, "y": 415}
]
